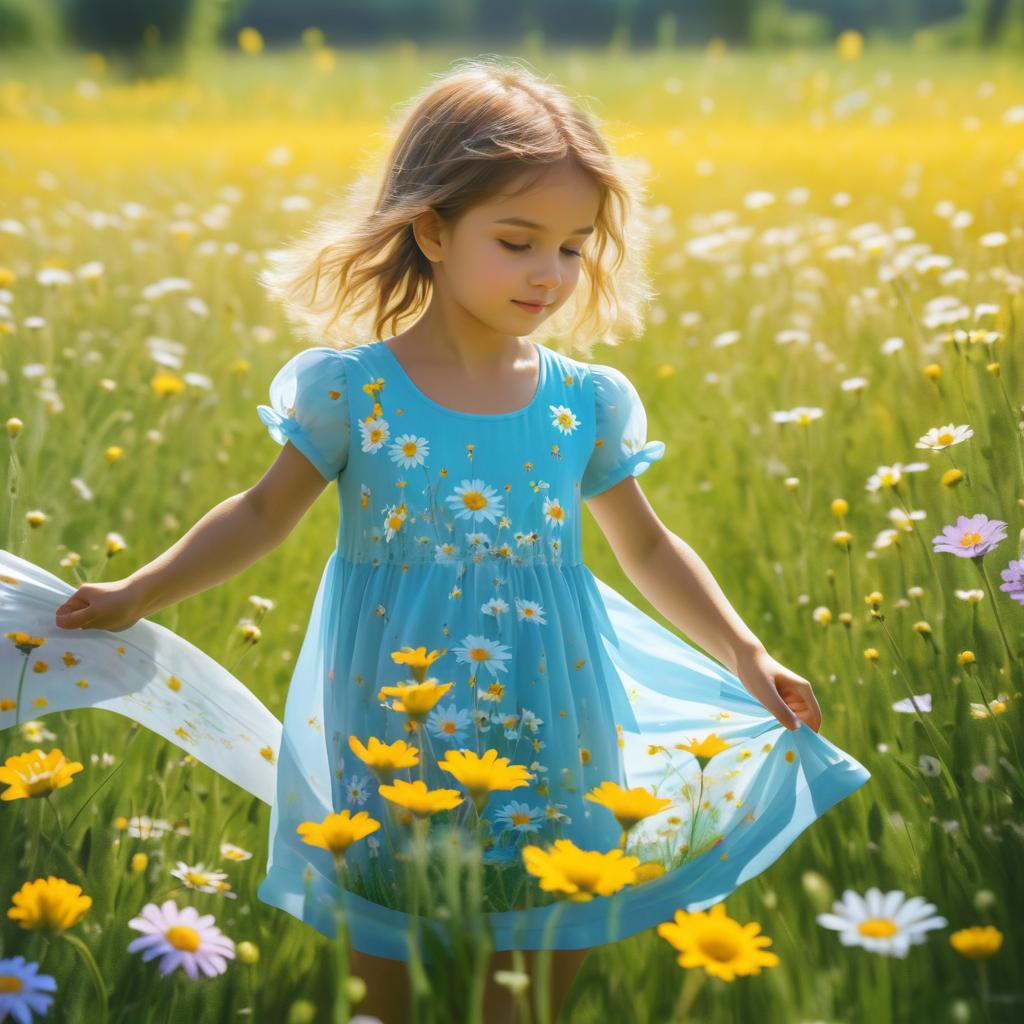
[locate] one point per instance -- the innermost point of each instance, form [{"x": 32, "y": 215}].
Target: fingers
[{"x": 72, "y": 619}]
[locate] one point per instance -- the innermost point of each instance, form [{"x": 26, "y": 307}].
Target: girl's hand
[
  {"x": 785, "y": 694},
  {"x": 114, "y": 606}
]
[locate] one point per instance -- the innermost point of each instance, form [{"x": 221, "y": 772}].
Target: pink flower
[
  {"x": 182, "y": 939},
  {"x": 970, "y": 537}
]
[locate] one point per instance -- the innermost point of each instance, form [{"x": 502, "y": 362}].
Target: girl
[{"x": 455, "y": 621}]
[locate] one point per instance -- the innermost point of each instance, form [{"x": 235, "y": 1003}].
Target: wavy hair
[{"x": 358, "y": 274}]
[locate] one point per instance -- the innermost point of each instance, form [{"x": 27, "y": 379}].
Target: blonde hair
[{"x": 460, "y": 141}]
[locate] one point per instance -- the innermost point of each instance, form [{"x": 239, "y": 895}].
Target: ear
[{"x": 429, "y": 231}]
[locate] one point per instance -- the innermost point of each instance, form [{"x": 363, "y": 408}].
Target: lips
[{"x": 533, "y": 307}]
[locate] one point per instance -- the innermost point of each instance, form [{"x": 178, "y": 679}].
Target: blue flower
[{"x": 22, "y": 988}]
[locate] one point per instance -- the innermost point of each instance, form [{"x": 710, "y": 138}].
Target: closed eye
[{"x": 520, "y": 248}]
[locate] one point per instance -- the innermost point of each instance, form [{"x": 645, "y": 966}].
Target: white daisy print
[
  {"x": 481, "y": 720},
  {"x": 531, "y": 721},
  {"x": 519, "y": 817},
  {"x": 393, "y": 521},
  {"x": 478, "y": 540},
  {"x": 375, "y": 432},
  {"x": 482, "y": 653},
  {"x": 530, "y": 611},
  {"x": 473, "y": 499},
  {"x": 880, "y": 922},
  {"x": 509, "y": 721},
  {"x": 553, "y": 511},
  {"x": 563, "y": 418},
  {"x": 446, "y": 554},
  {"x": 408, "y": 450},
  {"x": 448, "y": 723},
  {"x": 357, "y": 790},
  {"x": 554, "y": 812},
  {"x": 495, "y": 606}
]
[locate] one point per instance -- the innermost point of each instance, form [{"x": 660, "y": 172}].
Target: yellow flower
[
  {"x": 14, "y": 426},
  {"x": 384, "y": 759},
  {"x": 628, "y": 805},
  {"x": 415, "y": 797},
  {"x": 712, "y": 940},
  {"x": 25, "y": 642},
  {"x": 417, "y": 700},
  {"x": 140, "y": 861},
  {"x": 250, "y": 41},
  {"x": 113, "y": 453},
  {"x": 580, "y": 874},
  {"x": 248, "y": 952},
  {"x": 648, "y": 870},
  {"x": 49, "y": 905},
  {"x": 36, "y": 774},
  {"x": 337, "y": 832},
  {"x": 166, "y": 383},
  {"x": 704, "y": 749},
  {"x": 417, "y": 659},
  {"x": 849, "y": 44},
  {"x": 978, "y": 942},
  {"x": 483, "y": 775}
]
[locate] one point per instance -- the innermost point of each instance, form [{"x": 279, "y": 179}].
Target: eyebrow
[{"x": 523, "y": 222}]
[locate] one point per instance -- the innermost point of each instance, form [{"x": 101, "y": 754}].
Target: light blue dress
[
  {"x": 461, "y": 532},
  {"x": 458, "y": 532}
]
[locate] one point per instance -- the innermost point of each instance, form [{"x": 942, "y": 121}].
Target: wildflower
[
  {"x": 449, "y": 723},
  {"x": 580, "y": 874},
  {"x": 629, "y": 806},
  {"x": 885, "y": 923},
  {"x": 704, "y": 749},
  {"x": 337, "y": 832},
  {"x": 384, "y": 759},
  {"x": 971, "y": 536},
  {"x": 519, "y": 817},
  {"x": 145, "y": 827},
  {"x": 415, "y": 699},
  {"x": 713, "y": 940},
  {"x": 939, "y": 438},
  {"x": 415, "y": 797},
  {"x": 250, "y": 41},
  {"x": 248, "y": 952},
  {"x": 200, "y": 878},
  {"x": 22, "y": 988},
  {"x": 139, "y": 862},
  {"x": 922, "y": 701},
  {"x": 1013, "y": 577},
  {"x": 483, "y": 775},
  {"x": 232, "y": 852},
  {"x": 49, "y": 905},
  {"x": 417, "y": 659},
  {"x": 36, "y": 774},
  {"x": 977, "y": 943},
  {"x": 181, "y": 938}
]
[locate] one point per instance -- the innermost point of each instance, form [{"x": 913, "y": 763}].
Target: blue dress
[{"x": 459, "y": 533}]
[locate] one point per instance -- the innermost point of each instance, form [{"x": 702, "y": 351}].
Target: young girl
[{"x": 456, "y": 620}]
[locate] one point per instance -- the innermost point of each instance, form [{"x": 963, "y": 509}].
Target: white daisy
[
  {"x": 923, "y": 701},
  {"x": 563, "y": 418},
  {"x": 473, "y": 499},
  {"x": 448, "y": 724},
  {"x": 393, "y": 521},
  {"x": 478, "y": 539},
  {"x": 483, "y": 654},
  {"x": 145, "y": 827},
  {"x": 553, "y": 812},
  {"x": 554, "y": 512},
  {"x": 886, "y": 923},
  {"x": 519, "y": 817},
  {"x": 509, "y": 721},
  {"x": 481, "y": 719},
  {"x": 374, "y": 433},
  {"x": 495, "y": 606},
  {"x": 408, "y": 450},
  {"x": 530, "y": 611},
  {"x": 232, "y": 852},
  {"x": 801, "y": 414},
  {"x": 530, "y": 720},
  {"x": 446, "y": 554},
  {"x": 181, "y": 938},
  {"x": 198, "y": 877},
  {"x": 944, "y": 437}
]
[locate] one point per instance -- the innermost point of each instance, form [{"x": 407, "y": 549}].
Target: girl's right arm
[{"x": 229, "y": 538}]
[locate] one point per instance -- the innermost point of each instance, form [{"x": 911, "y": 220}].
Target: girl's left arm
[{"x": 672, "y": 576}]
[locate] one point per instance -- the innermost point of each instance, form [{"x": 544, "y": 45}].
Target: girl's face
[{"x": 491, "y": 268}]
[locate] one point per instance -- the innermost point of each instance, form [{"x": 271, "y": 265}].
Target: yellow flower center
[
  {"x": 479, "y": 654},
  {"x": 180, "y": 936},
  {"x": 9, "y": 983},
  {"x": 197, "y": 877},
  {"x": 969, "y": 539},
  {"x": 409, "y": 448},
  {"x": 474, "y": 500},
  {"x": 718, "y": 945},
  {"x": 877, "y": 927}
]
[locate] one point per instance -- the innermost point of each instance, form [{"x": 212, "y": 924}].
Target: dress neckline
[{"x": 534, "y": 401}]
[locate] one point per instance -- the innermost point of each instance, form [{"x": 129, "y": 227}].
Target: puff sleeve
[
  {"x": 309, "y": 407},
  {"x": 621, "y": 447}
]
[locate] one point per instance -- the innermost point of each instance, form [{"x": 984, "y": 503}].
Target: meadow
[{"x": 832, "y": 362}]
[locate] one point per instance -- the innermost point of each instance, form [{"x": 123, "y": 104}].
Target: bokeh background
[{"x": 833, "y": 362}]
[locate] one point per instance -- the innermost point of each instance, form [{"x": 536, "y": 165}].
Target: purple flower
[
  {"x": 970, "y": 537},
  {"x": 1014, "y": 576},
  {"x": 181, "y": 938}
]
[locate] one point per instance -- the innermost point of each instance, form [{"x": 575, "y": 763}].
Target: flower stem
[{"x": 97, "y": 979}]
